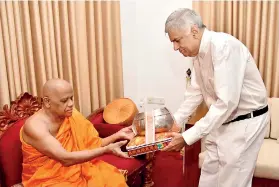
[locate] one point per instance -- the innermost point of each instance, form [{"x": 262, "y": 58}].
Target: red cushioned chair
[{"x": 137, "y": 171}]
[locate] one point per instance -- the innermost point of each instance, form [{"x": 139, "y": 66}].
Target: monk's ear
[{"x": 46, "y": 102}]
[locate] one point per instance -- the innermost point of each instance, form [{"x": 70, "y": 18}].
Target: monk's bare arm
[
  {"x": 110, "y": 139},
  {"x": 44, "y": 142},
  {"x": 125, "y": 133}
]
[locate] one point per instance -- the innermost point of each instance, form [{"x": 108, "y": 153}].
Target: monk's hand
[
  {"x": 17, "y": 185},
  {"x": 177, "y": 142},
  {"x": 126, "y": 133},
  {"x": 115, "y": 148}
]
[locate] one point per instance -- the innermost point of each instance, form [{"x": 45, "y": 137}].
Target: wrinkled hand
[
  {"x": 177, "y": 142},
  {"x": 115, "y": 148},
  {"x": 126, "y": 133},
  {"x": 176, "y": 128}
]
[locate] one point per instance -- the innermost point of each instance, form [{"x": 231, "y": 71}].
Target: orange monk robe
[{"x": 75, "y": 134}]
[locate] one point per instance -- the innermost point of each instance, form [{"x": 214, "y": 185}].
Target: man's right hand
[{"x": 115, "y": 148}]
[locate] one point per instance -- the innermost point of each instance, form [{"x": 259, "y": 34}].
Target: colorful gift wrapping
[
  {"x": 137, "y": 145},
  {"x": 152, "y": 131}
]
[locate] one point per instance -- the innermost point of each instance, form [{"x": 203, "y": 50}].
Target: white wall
[{"x": 150, "y": 65}]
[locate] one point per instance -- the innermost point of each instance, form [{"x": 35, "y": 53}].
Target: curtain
[
  {"x": 77, "y": 41},
  {"x": 256, "y": 24}
]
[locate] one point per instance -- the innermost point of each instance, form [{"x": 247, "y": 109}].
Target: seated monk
[{"x": 60, "y": 145}]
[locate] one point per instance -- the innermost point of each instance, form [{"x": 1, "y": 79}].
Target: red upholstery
[
  {"x": 97, "y": 119},
  {"x": 135, "y": 167},
  {"x": 104, "y": 128},
  {"x": 11, "y": 155}
]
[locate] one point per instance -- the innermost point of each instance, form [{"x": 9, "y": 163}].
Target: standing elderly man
[
  {"x": 60, "y": 145},
  {"x": 225, "y": 76}
]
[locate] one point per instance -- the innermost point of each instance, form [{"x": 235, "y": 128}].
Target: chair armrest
[
  {"x": 95, "y": 113},
  {"x": 104, "y": 129}
]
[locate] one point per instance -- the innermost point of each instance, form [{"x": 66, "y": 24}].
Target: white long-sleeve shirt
[{"x": 226, "y": 77}]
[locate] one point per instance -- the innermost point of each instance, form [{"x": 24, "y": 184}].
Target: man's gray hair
[{"x": 183, "y": 18}]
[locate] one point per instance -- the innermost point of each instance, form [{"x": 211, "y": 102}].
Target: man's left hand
[
  {"x": 126, "y": 133},
  {"x": 177, "y": 142}
]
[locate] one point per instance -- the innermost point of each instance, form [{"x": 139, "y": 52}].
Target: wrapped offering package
[
  {"x": 137, "y": 146},
  {"x": 152, "y": 131}
]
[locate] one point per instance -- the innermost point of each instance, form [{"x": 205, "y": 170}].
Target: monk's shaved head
[
  {"x": 53, "y": 86},
  {"x": 58, "y": 97}
]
